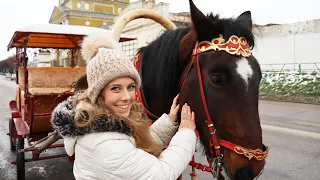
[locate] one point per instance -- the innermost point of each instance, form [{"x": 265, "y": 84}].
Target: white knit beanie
[{"x": 105, "y": 63}]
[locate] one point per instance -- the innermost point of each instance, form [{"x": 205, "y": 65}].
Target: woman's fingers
[
  {"x": 176, "y": 109},
  {"x": 175, "y": 99},
  {"x": 174, "y": 103},
  {"x": 183, "y": 111},
  {"x": 193, "y": 122},
  {"x": 192, "y": 117},
  {"x": 187, "y": 118},
  {"x": 188, "y": 112}
]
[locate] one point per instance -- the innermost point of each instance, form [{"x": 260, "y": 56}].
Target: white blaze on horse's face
[{"x": 244, "y": 70}]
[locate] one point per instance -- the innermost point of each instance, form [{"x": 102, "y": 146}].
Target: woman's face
[{"x": 119, "y": 95}]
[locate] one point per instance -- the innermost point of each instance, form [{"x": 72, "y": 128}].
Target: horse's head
[{"x": 221, "y": 84}]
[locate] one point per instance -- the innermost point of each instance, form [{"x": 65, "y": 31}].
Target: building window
[
  {"x": 78, "y": 5},
  {"x": 103, "y": 8},
  {"x": 86, "y": 6},
  {"x": 130, "y": 47}
]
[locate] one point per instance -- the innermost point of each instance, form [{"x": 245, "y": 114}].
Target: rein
[{"x": 235, "y": 46}]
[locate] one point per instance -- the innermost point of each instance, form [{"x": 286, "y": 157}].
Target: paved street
[{"x": 291, "y": 130}]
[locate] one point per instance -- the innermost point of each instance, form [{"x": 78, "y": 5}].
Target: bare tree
[{"x": 7, "y": 65}]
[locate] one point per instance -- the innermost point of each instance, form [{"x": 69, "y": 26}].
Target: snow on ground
[{"x": 291, "y": 83}]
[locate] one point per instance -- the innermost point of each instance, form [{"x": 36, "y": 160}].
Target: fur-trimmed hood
[{"x": 62, "y": 120}]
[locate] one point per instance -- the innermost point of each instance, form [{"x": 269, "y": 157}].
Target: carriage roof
[{"x": 55, "y": 36}]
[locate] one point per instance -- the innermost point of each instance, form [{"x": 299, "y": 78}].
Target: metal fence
[{"x": 289, "y": 67}]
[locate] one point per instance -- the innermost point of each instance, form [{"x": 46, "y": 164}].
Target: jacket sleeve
[
  {"x": 163, "y": 129},
  {"x": 119, "y": 159},
  {"x": 69, "y": 145}
]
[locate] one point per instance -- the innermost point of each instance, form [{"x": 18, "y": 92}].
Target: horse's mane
[{"x": 159, "y": 70}]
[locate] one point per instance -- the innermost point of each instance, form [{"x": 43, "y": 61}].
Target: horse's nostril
[{"x": 243, "y": 173}]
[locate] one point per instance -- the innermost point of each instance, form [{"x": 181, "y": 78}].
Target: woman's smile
[{"x": 123, "y": 106}]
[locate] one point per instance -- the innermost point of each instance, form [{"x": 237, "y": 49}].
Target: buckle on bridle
[{"x": 216, "y": 166}]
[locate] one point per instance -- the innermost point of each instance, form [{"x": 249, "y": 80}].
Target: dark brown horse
[
  {"x": 220, "y": 86},
  {"x": 211, "y": 66}
]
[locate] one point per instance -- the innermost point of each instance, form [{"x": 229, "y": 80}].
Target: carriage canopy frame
[{"x": 55, "y": 36}]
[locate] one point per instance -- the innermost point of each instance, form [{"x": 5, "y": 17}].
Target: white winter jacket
[{"x": 106, "y": 150}]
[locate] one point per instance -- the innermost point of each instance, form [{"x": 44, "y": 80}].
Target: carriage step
[
  {"x": 21, "y": 126},
  {"x": 14, "y": 110}
]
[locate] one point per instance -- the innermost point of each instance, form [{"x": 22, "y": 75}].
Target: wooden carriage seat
[
  {"x": 52, "y": 80},
  {"x": 45, "y": 81}
]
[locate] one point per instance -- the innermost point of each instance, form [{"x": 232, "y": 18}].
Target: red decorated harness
[{"x": 235, "y": 46}]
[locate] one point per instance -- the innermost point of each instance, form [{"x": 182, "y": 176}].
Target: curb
[
  {"x": 291, "y": 131},
  {"x": 290, "y": 101}
]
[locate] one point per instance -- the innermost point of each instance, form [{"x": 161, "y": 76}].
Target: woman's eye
[
  {"x": 132, "y": 87},
  {"x": 216, "y": 80},
  {"x": 115, "y": 89}
]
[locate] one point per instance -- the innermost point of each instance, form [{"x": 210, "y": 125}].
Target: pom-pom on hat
[{"x": 105, "y": 63}]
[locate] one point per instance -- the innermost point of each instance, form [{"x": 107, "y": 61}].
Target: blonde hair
[{"x": 86, "y": 113}]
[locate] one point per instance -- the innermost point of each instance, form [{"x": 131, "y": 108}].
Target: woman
[{"x": 107, "y": 130}]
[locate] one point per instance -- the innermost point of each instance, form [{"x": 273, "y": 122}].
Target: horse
[{"x": 211, "y": 66}]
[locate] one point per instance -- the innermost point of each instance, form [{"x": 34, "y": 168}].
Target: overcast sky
[{"x": 16, "y": 14}]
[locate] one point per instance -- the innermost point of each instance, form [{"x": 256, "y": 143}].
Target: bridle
[{"x": 235, "y": 46}]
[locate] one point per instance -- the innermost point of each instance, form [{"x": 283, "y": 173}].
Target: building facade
[
  {"x": 103, "y": 13},
  {"x": 146, "y": 30},
  {"x": 94, "y": 13},
  {"x": 288, "y": 46}
]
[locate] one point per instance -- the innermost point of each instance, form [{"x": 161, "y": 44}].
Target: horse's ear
[
  {"x": 199, "y": 20},
  {"x": 245, "y": 19}
]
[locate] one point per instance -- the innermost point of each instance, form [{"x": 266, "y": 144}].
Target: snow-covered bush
[{"x": 291, "y": 84}]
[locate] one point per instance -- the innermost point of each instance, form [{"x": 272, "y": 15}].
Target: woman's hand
[
  {"x": 174, "y": 109},
  {"x": 187, "y": 118}
]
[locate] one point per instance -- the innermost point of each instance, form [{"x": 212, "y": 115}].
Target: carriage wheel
[
  {"x": 12, "y": 142},
  {"x": 20, "y": 159}
]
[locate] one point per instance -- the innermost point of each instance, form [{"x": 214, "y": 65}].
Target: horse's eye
[{"x": 216, "y": 80}]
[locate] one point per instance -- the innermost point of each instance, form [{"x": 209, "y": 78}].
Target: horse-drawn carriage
[
  {"x": 209, "y": 64},
  {"x": 40, "y": 89}
]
